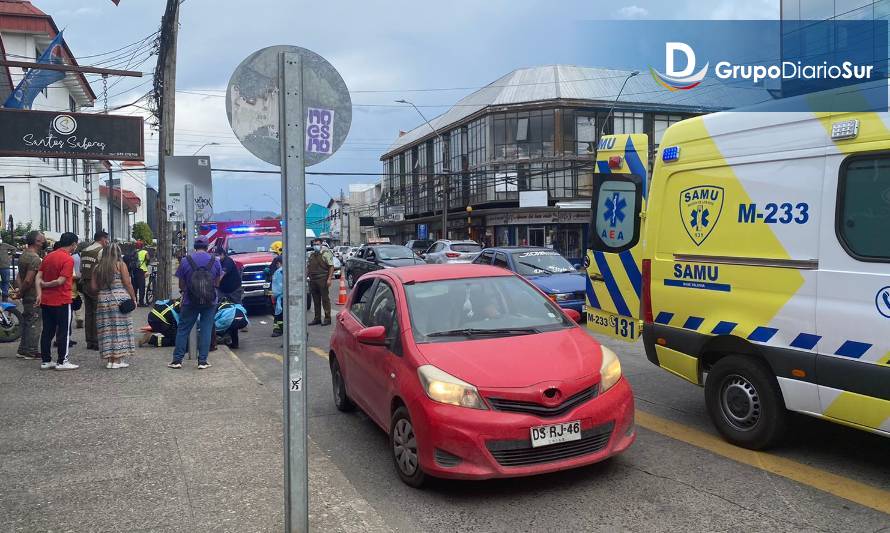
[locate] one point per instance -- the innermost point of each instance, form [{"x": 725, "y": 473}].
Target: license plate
[
  {"x": 556, "y": 433},
  {"x": 616, "y": 326}
]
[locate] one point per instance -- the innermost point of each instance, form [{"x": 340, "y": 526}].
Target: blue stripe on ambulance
[
  {"x": 632, "y": 158},
  {"x": 611, "y": 286},
  {"x": 591, "y": 295},
  {"x": 603, "y": 167},
  {"x": 633, "y": 271}
]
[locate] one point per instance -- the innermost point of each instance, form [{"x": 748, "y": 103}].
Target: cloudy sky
[{"x": 431, "y": 53}]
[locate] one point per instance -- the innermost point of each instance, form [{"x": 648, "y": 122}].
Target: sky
[{"x": 431, "y": 53}]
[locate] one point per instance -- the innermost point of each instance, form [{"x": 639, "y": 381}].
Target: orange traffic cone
[{"x": 341, "y": 298}]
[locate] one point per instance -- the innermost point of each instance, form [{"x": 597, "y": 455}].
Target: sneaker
[
  {"x": 315, "y": 322},
  {"x": 33, "y": 357},
  {"x": 67, "y": 366},
  {"x": 109, "y": 365},
  {"x": 20, "y": 355},
  {"x": 174, "y": 364},
  {"x": 326, "y": 322},
  {"x": 47, "y": 366},
  {"x": 202, "y": 366},
  {"x": 120, "y": 365}
]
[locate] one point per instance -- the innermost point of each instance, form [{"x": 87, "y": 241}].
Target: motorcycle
[{"x": 10, "y": 322}]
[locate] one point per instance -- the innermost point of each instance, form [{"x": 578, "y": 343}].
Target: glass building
[{"x": 533, "y": 130}]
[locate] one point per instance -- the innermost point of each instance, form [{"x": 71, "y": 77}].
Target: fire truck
[{"x": 249, "y": 247}]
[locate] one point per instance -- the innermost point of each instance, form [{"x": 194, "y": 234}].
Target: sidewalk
[{"x": 149, "y": 448}]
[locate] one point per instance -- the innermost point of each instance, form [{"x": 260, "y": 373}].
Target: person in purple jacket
[{"x": 199, "y": 275}]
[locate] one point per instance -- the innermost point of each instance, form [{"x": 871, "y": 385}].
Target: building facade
[
  {"x": 532, "y": 131},
  {"x": 56, "y": 195},
  {"x": 363, "y": 212}
]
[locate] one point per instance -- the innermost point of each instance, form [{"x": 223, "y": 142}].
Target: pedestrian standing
[
  {"x": 77, "y": 304},
  {"x": 29, "y": 264},
  {"x": 230, "y": 287},
  {"x": 54, "y": 296},
  {"x": 199, "y": 275},
  {"x": 6, "y": 253},
  {"x": 140, "y": 275},
  {"x": 111, "y": 282},
  {"x": 89, "y": 258},
  {"x": 320, "y": 271},
  {"x": 277, "y": 287}
]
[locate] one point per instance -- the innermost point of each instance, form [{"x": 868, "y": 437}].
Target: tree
[
  {"x": 142, "y": 232},
  {"x": 14, "y": 237}
]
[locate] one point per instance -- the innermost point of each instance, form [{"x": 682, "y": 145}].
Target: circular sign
[
  {"x": 882, "y": 302},
  {"x": 252, "y": 105},
  {"x": 64, "y": 124}
]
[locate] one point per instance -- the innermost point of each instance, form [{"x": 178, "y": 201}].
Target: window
[
  {"x": 58, "y": 212},
  {"x": 67, "y": 208},
  {"x": 616, "y": 212},
  {"x": 72, "y": 105},
  {"x": 383, "y": 308},
  {"x": 484, "y": 258},
  {"x": 526, "y": 134},
  {"x": 75, "y": 218},
  {"x": 586, "y": 134},
  {"x": 660, "y": 123},
  {"x": 74, "y": 170},
  {"x": 362, "y": 299},
  {"x": 44, "y": 210},
  {"x": 626, "y": 122},
  {"x": 97, "y": 220},
  {"x": 500, "y": 260},
  {"x": 863, "y": 211}
]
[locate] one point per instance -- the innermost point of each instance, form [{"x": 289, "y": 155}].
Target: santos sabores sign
[{"x": 70, "y": 135}]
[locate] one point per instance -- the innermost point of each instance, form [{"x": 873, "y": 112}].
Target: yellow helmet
[{"x": 277, "y": 247}]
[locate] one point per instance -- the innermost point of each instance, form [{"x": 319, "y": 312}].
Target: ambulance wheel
[{"x": 745, "y": 403}]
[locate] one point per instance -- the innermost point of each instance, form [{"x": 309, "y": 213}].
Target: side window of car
[
  {"x": 863, "y": 210},
  {"x": 382, "y": 312},
  {"x": 370, "y": 255},
  {"x": 484, "y": 258},
  {"x": 359, "y": 253},
  {"x": 361, "y": 300},
  {"x": 500, "y": 260}
]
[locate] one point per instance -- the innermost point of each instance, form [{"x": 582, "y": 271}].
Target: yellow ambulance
[{"x": 756, "y": 262}]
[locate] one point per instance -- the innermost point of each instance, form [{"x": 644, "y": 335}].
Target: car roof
[
  {"x": 422, "y": 273},
  {"x": 513, "y": 249}
]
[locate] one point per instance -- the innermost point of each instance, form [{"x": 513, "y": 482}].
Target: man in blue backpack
[{"x": 199, "y": 275}]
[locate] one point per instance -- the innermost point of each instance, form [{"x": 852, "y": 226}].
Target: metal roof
[{"x": 588, "y": 84}]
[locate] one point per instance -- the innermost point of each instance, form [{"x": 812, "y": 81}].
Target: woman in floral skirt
[{"x": 111, "y": 280}]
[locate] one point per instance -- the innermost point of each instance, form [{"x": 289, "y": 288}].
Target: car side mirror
[
  {"x": 575, "y": 316},
  {"x": 577, "y": 266},
  {"x": 373, "y": 336}
]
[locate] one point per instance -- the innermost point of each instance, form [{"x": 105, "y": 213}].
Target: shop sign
[{"x": 542, "y": 217}]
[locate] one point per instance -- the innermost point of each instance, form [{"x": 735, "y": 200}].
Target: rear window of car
[
  {"x": 466, "y": 247},
  {"x": 421, "y": 245}
]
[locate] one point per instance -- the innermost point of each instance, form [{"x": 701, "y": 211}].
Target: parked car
[
  {"x": 340, "y": 251},
  {"x": 338, "y": 267},
  {"x": 445, "y": 251},
  {"x": 373, "y": 257},
  {"x": 418, "y": 246},
  {"x": 475, "y": 374},
  {"x": 545, "y": 268}
]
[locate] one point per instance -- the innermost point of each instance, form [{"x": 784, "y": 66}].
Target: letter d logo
[
  {"x": 670, "y": 50},
  {"x": 679, "y": 80}
]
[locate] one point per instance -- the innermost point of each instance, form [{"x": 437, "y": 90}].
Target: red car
[{"x": 474, "y": 373}]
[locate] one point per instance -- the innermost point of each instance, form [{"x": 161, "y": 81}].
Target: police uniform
[
  {"x": 320, "y": 266},
  {"x": 89, "y": 257}
]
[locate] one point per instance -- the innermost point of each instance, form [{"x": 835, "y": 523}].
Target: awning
[{"x": 131, "y": 199}]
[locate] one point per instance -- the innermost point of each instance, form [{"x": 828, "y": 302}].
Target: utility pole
[{"x": 166, "y": 89}]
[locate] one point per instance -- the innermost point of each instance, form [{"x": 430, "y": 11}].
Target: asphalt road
[{"x": 678, "y": 476}]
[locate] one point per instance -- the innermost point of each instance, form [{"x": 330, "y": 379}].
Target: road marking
[
  {"x": 319, "y": 352},
  {"x": 276, "y": 356},
  {"x": 239, "y": 362},
  {"x": 842, "y": 487}
]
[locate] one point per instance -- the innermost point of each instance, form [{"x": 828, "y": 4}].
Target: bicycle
[{"x": 150, "y": 286}]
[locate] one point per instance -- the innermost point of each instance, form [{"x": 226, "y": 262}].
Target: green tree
[
  {"x": 16, "y": 236},
  {"x": 142, "y": 232}
]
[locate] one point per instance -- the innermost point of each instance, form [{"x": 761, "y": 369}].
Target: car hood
[
  {"x": 401, "y": 262},
  {"x": 520, "y": 361},
  {"x": 252, "y": 258},
  {"x": 568, "y": 282}
]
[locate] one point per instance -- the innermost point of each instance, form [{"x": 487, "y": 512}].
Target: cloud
[{"x": 632, "y": 12}]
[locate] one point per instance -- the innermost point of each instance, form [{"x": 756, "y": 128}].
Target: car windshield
[
  {"x": 541, "y": 262},
  {"x": 394, "y": 252},
  {"x": 245, "y": 244},
  {"x": 462, "y": 309},
  {"x": 466, "y": 247}
]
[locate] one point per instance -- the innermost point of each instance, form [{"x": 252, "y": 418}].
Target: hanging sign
[{"x": 26, "y": 133}]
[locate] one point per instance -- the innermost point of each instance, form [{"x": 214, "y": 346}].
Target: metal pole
[
  {"x": 190, "y": 244},
  {"x": 293, "y": 193},
  {"x": 110, "y": 204}
]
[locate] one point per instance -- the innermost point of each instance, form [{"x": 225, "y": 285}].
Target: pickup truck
[{"x": 372, "y": 257}]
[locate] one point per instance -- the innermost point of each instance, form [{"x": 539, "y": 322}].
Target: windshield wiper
[
  {"x": 476, "y": 332},
  {"x": 535, "y": 267}
]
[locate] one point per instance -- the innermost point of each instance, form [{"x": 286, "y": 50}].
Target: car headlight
[
  {"x": 562, "y": 296},
  {"x": 610, "y": 369},
  {"x": 442, "y": 387}
]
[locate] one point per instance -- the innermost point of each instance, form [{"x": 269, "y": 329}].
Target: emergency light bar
[
  {"x": 847, "y": 129},
  {"x": 671, "y": 153}
]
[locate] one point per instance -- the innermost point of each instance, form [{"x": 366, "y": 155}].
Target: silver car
[{"x": 446, "y": 251}]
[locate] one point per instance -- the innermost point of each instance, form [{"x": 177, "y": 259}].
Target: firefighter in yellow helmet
[{"x": 276, "y": 247}]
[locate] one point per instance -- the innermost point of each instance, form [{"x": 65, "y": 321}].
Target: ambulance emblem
[{"x": 700, "y": 209}]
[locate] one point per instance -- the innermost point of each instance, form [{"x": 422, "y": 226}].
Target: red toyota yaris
[{"x": 475, "y": 374}]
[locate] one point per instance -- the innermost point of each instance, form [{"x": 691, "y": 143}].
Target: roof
[
  {"x": 22, "y": 16},
  {"x": 422, "y": 273},
  {"x": 513, "y": 249},
  {"x": 581, "y": 85}
]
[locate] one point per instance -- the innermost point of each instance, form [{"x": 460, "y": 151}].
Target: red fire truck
[{"x": 249, "y": 246}]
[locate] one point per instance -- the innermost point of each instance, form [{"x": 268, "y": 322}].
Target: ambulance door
[
  {"x": 613, "y": 257},
  {"x": 853, "y": 316}
]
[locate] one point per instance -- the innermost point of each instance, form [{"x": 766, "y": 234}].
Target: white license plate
[{"x": 556, "y": 433}]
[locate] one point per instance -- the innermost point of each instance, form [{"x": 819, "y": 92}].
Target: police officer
[
  {"x": 320, "y": 272},
  {"x": 89, "y": 258}
]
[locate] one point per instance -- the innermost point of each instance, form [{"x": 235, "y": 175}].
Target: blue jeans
[
  {"x": 5, "y": 274},
  {"x": 188, "y": 316}
]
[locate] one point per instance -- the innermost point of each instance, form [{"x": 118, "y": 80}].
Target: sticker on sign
[
  {"x": 319, "y": 126},
  {"x": 296, "y": 382}
]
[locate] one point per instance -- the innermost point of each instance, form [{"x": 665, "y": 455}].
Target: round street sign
[{"x": 252, "y": 105}]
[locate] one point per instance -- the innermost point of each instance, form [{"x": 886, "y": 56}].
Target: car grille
[
  {"x": 578, "y": 295},
  {"x": 520, "y": 452},
  {"x": 250, "y": 273},
  {"x": 446, "y": 459},
  {"x": 531, "y": 408}
]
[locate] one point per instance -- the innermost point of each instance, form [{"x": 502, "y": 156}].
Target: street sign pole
[
  {"x": 293, "y": 194},
  {"x": 190, "y": 244}
]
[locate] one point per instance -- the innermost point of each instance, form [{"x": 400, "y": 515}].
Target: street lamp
[
  {"x": 442, "y": 179},
  {"x": 276, "y": 200},
  {"x": 203, "y": 145},
  {"x": 612, "y": 108}
]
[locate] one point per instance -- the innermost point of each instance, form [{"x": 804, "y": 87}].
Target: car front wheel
[
  {"x": 341, "y": 399},
  {"x": 404, "y": 449},
  {"x": 745, "y": 402}
]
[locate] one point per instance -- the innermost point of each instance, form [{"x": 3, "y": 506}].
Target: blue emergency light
[
  {"x": 671, "y": 153},
  {"x": 241, "y": 229}
]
